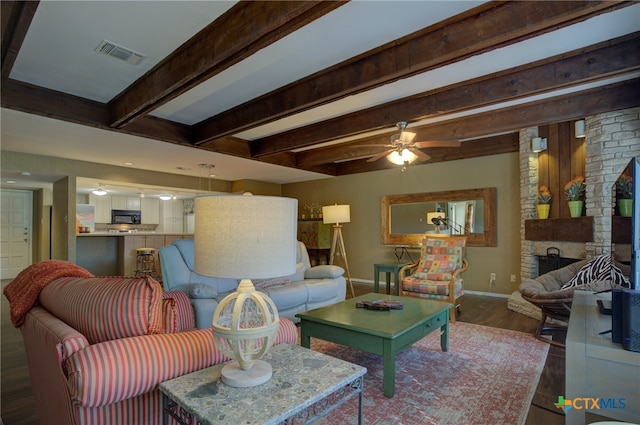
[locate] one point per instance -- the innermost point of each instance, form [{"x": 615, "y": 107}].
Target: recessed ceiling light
[
  {"x": 25, "y": 173},
  {"x": 10, "y": 182},
  {"x": 165, "y": 197},
  {"x": 128, "y": 163}
]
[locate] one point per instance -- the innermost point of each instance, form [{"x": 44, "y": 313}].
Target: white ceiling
[{"x": 58, "y": 53}]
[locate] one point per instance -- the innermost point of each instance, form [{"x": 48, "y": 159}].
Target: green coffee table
[{"x": 385, "y": 333}]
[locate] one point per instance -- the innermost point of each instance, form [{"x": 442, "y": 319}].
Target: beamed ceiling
[{"x": 287, "y": 91}]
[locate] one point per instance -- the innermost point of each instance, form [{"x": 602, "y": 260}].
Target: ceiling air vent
[{"x": 111, "y": 49}]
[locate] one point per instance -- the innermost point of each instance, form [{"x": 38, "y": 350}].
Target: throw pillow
[
  {"x": 601, "y": 268},
  {"x": 265, "y": 283},
  {"x": 437, "y": 266},
  {"x": 324, "y": 272},
  {"x": 197, "y": 290}
]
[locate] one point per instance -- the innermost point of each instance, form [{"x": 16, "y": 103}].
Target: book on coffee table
[{"x": 380, "y": 305}]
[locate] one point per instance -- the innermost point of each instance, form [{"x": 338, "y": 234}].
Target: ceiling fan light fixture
[{"x": 403, "y": 157}]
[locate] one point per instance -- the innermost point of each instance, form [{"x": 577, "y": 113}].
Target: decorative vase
[
  {"x": 543, "y": 211},
  {"x": 624, "y": 207},
  {"x": 575, "y": 208}
]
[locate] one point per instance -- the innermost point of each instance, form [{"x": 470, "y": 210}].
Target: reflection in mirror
[
  {"x": 406, "y": 218},
  {"x": 457, "y": 218}
]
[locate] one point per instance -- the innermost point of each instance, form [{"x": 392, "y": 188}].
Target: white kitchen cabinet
[
  {"x": 125, "y": 203},
  {"x": 172, "y": 216},
  {"x": 150, "y": 209},
  {"x": 102, "y": 205}
]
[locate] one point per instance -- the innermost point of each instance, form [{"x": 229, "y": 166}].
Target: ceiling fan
[{"x": 402, "y": 150}]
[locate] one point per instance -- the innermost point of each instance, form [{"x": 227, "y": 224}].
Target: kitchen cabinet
[
  {"x": 150, "y": 209},
  {"x": 102, "y": 204},
  {"x": 317, "y": 238},
  {"x": 125, "y": 203},
  {"x": 172, "y": 216}
]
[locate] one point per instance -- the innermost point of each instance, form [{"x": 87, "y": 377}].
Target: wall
[
  {"x": 363, "y": 192},
  {"x": 63, "y": 234},
  {"x": 612, "y": 140}
]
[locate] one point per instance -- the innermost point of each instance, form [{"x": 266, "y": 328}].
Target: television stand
[{"x": 596, "y": 368}]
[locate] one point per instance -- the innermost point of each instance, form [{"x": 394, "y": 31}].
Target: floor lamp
[{"x": 336, "y": 214}]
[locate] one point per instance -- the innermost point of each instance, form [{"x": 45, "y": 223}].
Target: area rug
[{"x": 488, "y": 376}]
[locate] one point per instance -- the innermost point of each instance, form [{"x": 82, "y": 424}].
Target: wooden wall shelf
[{"x": 578, "y": 229}]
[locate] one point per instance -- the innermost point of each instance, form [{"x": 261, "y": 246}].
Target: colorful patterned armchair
[
  {"x": 97, "y": 347},
  {"x": 436, "y": 275}
]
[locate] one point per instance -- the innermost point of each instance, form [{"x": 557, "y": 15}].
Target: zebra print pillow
[{"x": 600, "y": 268}]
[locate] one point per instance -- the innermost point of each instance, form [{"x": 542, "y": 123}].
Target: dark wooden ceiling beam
[
  {"x": 484, "y": 28},
  {"x": 53, "y": 104},
  {"x": 567, "y": 107},
  {"x": 494, "y": 145},
  {"x": 556, "y": 109},
  {"x": 600, "y": 61},
  {"x": 16, "y": 19},
  {"x": 499, "y": 144},
  {"x": 65, "y": 107},
  {"x": 248, "y": 27}
]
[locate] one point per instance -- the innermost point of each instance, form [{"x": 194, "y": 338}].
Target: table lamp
[
  {"x": 435, "y": 218},
  {"x": 245, "y": 237},
  {"x": 336, "y": 214}
]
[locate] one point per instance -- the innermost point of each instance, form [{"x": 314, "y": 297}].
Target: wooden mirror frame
[{"x": 488, "y": 195}]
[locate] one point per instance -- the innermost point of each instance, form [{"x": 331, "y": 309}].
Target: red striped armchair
[{"x": 97, "y": 348}]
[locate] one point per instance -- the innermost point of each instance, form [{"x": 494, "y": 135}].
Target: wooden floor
[{"x": 17, "y": 406}]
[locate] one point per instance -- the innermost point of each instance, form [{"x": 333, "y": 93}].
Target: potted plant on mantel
[
  {"x": 574, "y": 192},
  {"x": 544, "y": 202},
  {"x": 624, "y": 190}
]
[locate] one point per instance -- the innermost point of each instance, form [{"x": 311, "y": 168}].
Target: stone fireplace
[{"x": 612, "y": 140}]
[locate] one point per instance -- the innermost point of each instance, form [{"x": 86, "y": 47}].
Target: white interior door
[{"x": 15, "y": 232}]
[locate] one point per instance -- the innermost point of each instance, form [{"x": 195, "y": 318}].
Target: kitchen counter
[
  {"x": 114, "y": 254},
  {"x": 132, "y": 234}
]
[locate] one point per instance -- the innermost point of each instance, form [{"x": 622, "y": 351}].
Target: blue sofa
[{"x": 308, "y": 288}]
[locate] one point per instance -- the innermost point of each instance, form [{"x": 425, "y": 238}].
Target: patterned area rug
[{"x": 488, "y": 376}]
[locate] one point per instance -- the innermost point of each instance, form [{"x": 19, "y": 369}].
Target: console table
[
  {"x": 305, "y": 386},
  {"x": 598, "y": 368}
]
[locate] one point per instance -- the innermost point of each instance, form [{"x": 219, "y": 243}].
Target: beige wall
[{"x": 364, "y": 191}]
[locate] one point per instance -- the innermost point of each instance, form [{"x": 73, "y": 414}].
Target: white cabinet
[
  {"x": 172, "y": 216},
  {"x": 150, "y": 209},
  {"x": 125, "y": 203},
  {"x": 102, "y": 205}
]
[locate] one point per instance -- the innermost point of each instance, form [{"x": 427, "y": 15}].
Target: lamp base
[{"x": 234, "y": 376}]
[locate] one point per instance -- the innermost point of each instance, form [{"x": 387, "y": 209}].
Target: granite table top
[{"x": 301, "y": 377}]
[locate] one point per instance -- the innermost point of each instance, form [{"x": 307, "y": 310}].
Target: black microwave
[{"x": 126, "y": 217}]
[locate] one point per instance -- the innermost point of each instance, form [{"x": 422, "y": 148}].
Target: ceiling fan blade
[
  {"x": 406, "y": 136},
  {"x": 372, "y": 146},
  {"x": 436, "y": 144},
  {"x": 380, "y": 155},
  {"x": 421, "y": 155}
]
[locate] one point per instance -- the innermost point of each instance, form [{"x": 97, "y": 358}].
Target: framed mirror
[{"x": 472, "y": 212}]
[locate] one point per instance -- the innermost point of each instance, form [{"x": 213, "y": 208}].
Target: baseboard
[{"x": 487, "y": 294}]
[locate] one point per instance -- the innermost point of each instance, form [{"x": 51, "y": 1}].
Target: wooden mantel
[{"x": 577, "y": 229}]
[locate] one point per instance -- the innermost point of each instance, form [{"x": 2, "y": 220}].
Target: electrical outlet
[
  {"x": 493, "y": 276},
  {"x": 513, "y": 278}
]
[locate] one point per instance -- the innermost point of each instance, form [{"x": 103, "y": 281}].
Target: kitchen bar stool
[{"x": 145, "y": 262}]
